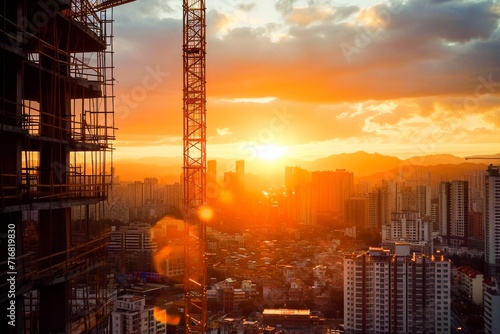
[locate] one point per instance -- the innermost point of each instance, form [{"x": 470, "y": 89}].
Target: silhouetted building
[
  {"x": 298, "y": 188},
  {"x": 492, "y": 222},
  {"x": 234, "y": 185},
  {"x": 357, "y": 212},
  {"x": 454, "y": 212},
  {"x": 56, "y": 141},
  {"x": 379, "y": 207},
  {"x": 330, "y": 191}
]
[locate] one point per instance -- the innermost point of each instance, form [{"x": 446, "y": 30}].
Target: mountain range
[{"x": 362, "y": 164}]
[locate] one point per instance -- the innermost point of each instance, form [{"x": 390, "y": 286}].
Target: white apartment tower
[
  {"x": 132, "y": 316},
  {"x": 492, "y": 222},
  {"x": 396, "y": 293}
]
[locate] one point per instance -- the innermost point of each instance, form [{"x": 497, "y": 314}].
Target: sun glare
[{"x": 270, "y": 152}]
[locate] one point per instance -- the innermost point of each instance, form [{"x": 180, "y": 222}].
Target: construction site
[
  {"x": 56, "y": 135},
  {"x": 56, "y": 147}
]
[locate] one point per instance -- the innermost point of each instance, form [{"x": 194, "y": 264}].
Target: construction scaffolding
[{"x": 56, "y": 135}]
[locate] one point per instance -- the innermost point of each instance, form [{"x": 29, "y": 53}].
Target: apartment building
[{"x": 396, "y": 292}]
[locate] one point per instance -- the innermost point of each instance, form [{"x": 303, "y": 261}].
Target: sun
[{"x": 270, "y": 152}]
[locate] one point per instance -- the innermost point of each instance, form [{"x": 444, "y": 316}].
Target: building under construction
[{"x": 56, "y": 133}]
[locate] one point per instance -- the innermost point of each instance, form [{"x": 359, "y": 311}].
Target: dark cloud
[
  {"x": 246, "y": 6},
  {"x": 342, "y": 13},
  {"x": 284, "y": 6}
]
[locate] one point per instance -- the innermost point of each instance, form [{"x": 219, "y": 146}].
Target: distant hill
[
  {"x": 435, "y": 159},
  {"x": 424, "y": 174},
  {"x": 362, "y": 164}
]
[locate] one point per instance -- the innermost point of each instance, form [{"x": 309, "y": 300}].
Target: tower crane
[
  {"x": 494, "y": 157},
  {"x": 194, "y": 166}
]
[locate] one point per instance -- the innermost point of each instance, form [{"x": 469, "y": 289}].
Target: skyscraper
[
  {"x": 492, "y": 222},
  {"x": 396, "y": 293},
  {"x": 298, "y": 187},
  {"x": 357, "y": 212},
  {"x": 330, "y": 191},
  {"x": 379, "y": 207},
  {"x": 454, "y": 212}
]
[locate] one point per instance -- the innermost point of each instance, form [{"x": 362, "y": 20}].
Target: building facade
[
  {"x": 330, "y": 191},
  {"x": 396, "y": 292},
  {"x": 56, "y": 141},
  {"x": 454, "y": 212},
  {"x": 492, "y": 222},
  {"x": 132, "y": 316}
]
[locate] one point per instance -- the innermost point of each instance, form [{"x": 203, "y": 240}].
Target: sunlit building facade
[
  {"x": 396, "y": 292},
  {"x": 132, "y": 316}
]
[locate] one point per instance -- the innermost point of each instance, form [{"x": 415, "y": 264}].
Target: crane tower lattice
[{"x": 194, "y": 166}]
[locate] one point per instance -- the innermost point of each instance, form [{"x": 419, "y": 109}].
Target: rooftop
[{"x": 286, "y": 311}]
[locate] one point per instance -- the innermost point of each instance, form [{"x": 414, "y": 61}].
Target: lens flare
[
  {"x": 161, "y": 315},
  {"x": 205, "y": 213}
]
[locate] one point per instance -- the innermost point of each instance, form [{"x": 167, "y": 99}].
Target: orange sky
[{"x": 315, "y": 78}]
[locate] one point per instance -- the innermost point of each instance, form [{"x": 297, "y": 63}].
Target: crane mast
[{"x": 194, "y": 166}]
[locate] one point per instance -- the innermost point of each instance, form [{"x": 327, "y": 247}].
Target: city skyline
[{"x": 306, "y": 80}]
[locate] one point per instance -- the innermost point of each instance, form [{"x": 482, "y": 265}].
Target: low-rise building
[
  {"x": 471, "y": 284},
  {"x": 292, "y": 320},
  {"x": 132, "y": 316}
]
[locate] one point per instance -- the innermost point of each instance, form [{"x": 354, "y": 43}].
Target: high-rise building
[
  {"x": 379, "y": 212},
  {"x": 492, "y": 222},
  {"x": 240, "y": 167},
  {"x": 131, "y": 248},
  {"x": 408, "y": 226},
  {"x": 357, "y": 212},
  {"x": 234, "y": 184},
  {"x": 213, "y": 189},
  {"x": 151, "y": 191},
  {"x": 491, "y": 305},
  {"x": 298, "y": 188},
  {"x": 172, "y": 196},
  {"x": 56, "y": 137},
  {"x": 454, "y": 212},
  {"x": 396, "y": 293},
  {"x": 330, "y": 191},
  {"x": 423, "y": 200},
  {"x": 406, "y": 198}
]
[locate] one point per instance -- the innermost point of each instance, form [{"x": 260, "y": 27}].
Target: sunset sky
[{"x": 307, "y": 79}]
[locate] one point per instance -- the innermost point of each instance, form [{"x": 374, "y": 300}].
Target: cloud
[
  {"x": 308, "y": 15},
  {"x": 223, "y": 131},
  {"x": 246, "y": 7},
  {"x": 414, "y": 68},
  {"x": 284, "y": 6}
]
